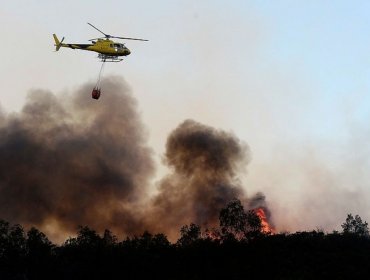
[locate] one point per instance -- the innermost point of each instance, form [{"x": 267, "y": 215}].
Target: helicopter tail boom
[{"x": 58, "y": 43}]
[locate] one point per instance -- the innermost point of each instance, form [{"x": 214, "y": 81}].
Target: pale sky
[{"x": 290, "y": 78}]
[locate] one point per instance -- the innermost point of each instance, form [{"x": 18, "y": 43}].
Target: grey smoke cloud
[
  {"x": 74, "y": 161},
  {"x": 204, "y": 163},
  {"x": 70, "y": 160}
]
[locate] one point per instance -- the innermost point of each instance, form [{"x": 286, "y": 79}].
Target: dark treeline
[{"x": 238, "y": 249}]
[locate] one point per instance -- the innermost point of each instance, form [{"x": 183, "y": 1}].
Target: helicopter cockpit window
[{"x": 118, "y": 46}]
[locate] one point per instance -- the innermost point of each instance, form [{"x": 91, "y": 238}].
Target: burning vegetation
[{"x": 266, "y": 227}]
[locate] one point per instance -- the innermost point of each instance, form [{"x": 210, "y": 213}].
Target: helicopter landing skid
[{"x": 109, "y": 58}]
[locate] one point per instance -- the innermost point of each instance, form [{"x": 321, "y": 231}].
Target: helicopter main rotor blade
[
  {"x": 106, "y": 35},
  {"x": 125, "y": 38}
]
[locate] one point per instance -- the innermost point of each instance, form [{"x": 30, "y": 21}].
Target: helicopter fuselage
[{"x": 102, "y": 46}]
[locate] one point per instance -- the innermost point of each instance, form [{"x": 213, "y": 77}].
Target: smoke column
[
  {"x": 204, "y": 163},
  {"x": 70, "y": 160}
]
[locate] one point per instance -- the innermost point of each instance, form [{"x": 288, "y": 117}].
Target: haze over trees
[{"x": 238, "y": 249}]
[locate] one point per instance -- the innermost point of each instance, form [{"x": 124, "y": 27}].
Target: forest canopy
[{"x": 237, "y": 249}]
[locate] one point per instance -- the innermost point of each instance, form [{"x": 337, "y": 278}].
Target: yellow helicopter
[{"x": 108, "y": 51}]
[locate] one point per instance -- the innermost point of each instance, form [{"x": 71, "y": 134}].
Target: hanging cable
[
  {"x": 96, "y": 91},
  {"x": 97, "y": 86}
]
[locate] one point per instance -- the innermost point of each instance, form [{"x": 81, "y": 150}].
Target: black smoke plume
[
  {"x": 204, "y": 163},
  {"x": 71, "y": 160}
]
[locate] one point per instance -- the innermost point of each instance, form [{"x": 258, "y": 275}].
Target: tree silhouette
[
  {"x": 146, "y": 242},
  {"x": 87, "y": 236},
  {"x": 37, "y": 241},
  {"x": 4, "y": 231},
  {"x": 254, "y": 224},
  {"x": 237, "y": 224},
  {"x": 109, "y": 238},
  {"x": 17, "y": 239},
  {"x": 300, "y": 255},
  {"x": 39, "y": 254},
  {"x": 12, "y": 251},
  {"x": 38, "y": 245},
  {"x": 355, "y": 225},
  {"x": 233, "y": 220},
  {"x": 189, "y": 234}
]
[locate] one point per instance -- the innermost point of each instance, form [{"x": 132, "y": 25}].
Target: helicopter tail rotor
[{"x": 58, "y": 43}]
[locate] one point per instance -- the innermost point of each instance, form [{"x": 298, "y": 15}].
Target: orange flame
[{"x": 266, "y": 227}]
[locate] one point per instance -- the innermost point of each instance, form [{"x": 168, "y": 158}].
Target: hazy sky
[{"x": 290, "y": 78}]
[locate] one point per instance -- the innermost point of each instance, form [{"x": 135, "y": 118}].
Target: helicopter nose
[{"x": 128, "y": 51}]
